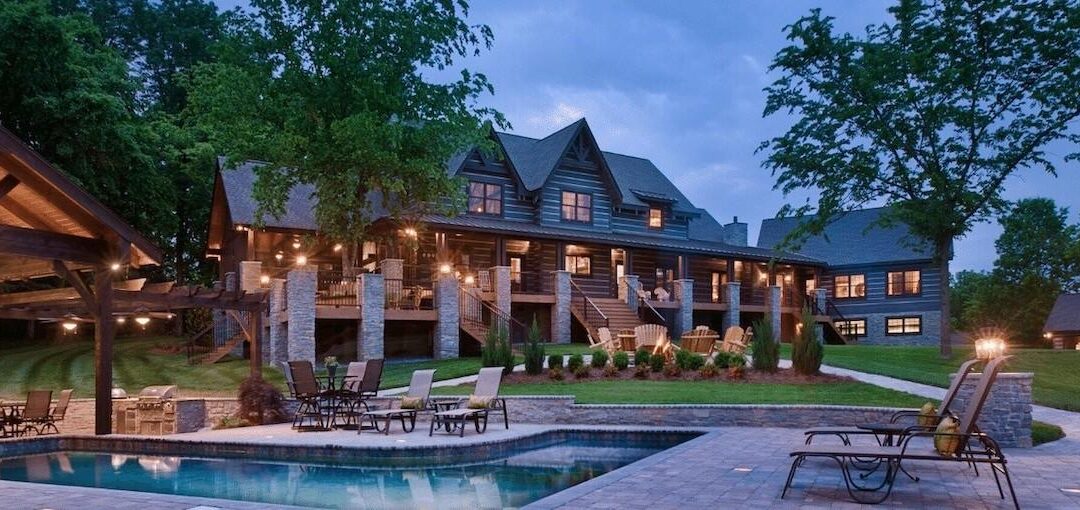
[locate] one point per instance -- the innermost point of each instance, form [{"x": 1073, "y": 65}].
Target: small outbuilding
[{"x": 1063, "y": 324}]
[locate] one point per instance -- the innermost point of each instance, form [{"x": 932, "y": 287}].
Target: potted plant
[{"x": 331, "y": 364}]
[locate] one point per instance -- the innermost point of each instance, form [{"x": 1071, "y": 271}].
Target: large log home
[{"x": 556, "y": 230}]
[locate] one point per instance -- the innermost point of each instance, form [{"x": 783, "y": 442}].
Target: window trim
[
  {"x": 576, "y": 207},
  {"x": 903, "y": 290},
  {"x": 573, "y": 271},
  {"x": 836, "y": 324},
  {"x": 849, "y": 286},
  {"x": 484, "y": 199},
  {"x": 648, "y": 219},
  {"x": 903, "y": 325}
]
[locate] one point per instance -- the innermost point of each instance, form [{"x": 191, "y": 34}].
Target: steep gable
[{"x": 853, "y": 238}]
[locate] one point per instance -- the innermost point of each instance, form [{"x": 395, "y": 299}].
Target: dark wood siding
[
  {"x": 515, "y": 207},
  {"x": 633, "y": 222},
  {"x": 876, "y": 300},
  {"x": 582, "y": 177}
]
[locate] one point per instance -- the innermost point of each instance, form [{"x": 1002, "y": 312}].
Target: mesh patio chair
[
  {"x": 485, "y": 398},
  {"x": 311, "y": 413},
  {"x": 416, "y": 399},
  {"x": 48, "y": 426},
  {"x": 972, "y": 447},
  {"x": 35, "y": 414},
  {"x": 349, "y": 403}
]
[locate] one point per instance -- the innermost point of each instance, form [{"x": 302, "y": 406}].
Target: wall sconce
[
  {"x": 445, "y": 268},
  {"x": 337, "y": 247},
  {"x": 279, "y": 256},
  {"x": 469, "y": 280},
  {"x": 264, "y": 279},
  {"x": 301, "y": 260}
]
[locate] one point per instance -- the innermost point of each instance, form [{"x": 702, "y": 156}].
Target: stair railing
[
  {"x": 192, "y": 342},
  {"x": 481, "y": 315},
  {"x": 594, "y": 317},
  {"x": 834, "y": 312},
  {"x": 647, "y": 312}
]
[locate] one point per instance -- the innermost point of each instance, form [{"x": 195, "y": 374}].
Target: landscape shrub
[
  {"x": 496, "y": 351},
  {"x": 737, "y": 360},
  {"x": 576, "y": 361},
  {"x": 641, "y": 371},
  {"x": 806, "y": 351},
  {"x": 656, "y": 363},
  {"x": 709, "y": 371},
  {"x": 582, "y": 371},
  {"x": 555, "y": 373},
  {"x": 722, "y": 359},
  {"x": 672, "y": 370},
  {"x": 260, "y": 402},
  {"x": 534, "y": 350},
  {"x": 763, "y": 347},
  {"x": 641, "y": 357},
  {"x": 611, "y": 370},
  {"x": 687, "y": 360},
  {"x": 599, "y": 358},
  {"x": 621, "y": 360},
  {"x": 736, "y": 372},
  {"x": 555, "y": 361}
]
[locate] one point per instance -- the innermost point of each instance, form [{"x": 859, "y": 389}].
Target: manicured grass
[
  {"x": 396, "y": 375},
  {"x": 708, "y": 392},
  {"x": 1056, "y": 375},
  {"x": 138, "y": 363},
  {"x": 1045, "y": 432},
  {"x": 566, "y": 349}
]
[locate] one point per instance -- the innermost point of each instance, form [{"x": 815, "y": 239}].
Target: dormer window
[
  {"x": 485, "y": 198},
  {"x": 576, "y": 207},
  {"x": 656, "y": 218}
]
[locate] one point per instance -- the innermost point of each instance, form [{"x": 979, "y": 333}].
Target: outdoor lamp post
[{"x": 987, "y": 349}]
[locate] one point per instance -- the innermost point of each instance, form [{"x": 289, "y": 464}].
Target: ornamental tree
[
  {"x": 340, "y": 95},
  {"x": 930, "y": 113}
]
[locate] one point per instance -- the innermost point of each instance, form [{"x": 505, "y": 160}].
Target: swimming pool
[{"x": 513, "y": 477}]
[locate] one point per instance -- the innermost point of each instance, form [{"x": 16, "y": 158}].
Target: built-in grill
[{"x": 152, "y": 413}]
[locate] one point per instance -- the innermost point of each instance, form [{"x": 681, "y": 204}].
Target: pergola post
[
  {"x": 255, "y": 350},
  {"x": 104, "y": 331}
]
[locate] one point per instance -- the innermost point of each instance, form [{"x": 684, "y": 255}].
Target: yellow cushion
[
  {"x": 927, "y": 415},
  {"x": 416, "y": 403},
  {"x": 476, "y": 402},
  {"x": 947, "y": 445}
]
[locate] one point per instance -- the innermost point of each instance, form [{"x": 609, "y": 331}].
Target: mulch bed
[{"x": 782, "y": 376}]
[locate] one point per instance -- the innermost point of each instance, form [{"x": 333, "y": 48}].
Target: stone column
[
  {"x": 774, "y": 310},
  {"x": 393, "y": 270},
  {"x": 371, "y": 298},
  {"x": 500, "y": 283},
  {"x": 276, "y": 352},
  {"x": 301, "y": 295},
  {"x": 684, "y": 315},
  {"x": 732, "y": 298},
  {"x": 1006, "y": 415},
  {"x": 560, "y": 311},
  {"x": 248, "y": 275},
  {"x": 628, "y": 291},
  {"x": 820, "y": 300},
  {"x": 448, "y": 323}
]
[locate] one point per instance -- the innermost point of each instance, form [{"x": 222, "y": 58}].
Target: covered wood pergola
[{"x": 49, "y": 226}]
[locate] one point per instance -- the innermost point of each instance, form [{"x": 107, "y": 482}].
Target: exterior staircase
[
  {"x": 476, "y": 316},
  {"x": 224, "y": 349},
  {"x": 618, "y": 314}
]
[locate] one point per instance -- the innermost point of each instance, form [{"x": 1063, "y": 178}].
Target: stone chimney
[{"x": 735, "y": 232}]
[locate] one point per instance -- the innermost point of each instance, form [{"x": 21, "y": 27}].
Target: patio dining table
[{"x": 9, "y": 414}]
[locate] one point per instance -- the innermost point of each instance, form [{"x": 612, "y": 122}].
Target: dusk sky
[{"x": 681, "y": 83}]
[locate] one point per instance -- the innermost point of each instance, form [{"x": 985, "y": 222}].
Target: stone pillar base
[{"x": 1006, "y": 415}]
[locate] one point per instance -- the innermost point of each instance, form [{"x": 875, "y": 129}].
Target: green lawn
[
  {"x": 633, "y": 391},
  {"x": 396, "y": 375},
  {"x": 1057, "y": 377},
  {"x": 550, "y": 349}
]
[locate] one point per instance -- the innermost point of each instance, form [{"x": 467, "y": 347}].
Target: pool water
[{"x": 510, "y": 481}]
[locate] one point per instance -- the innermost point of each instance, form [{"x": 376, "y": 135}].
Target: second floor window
[
  {"x": 576, "y": 207},
  {"x": 579, "y": 265},
  {"x": 903, "y": 283},
  {"x": 485, "y": 198},
  {"x": 849, "y": 286},
  {"x": 656, "y": 218}
]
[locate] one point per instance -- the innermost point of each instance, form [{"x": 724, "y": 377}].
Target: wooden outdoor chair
[
  {"x": 650, "y": 335},
  {"x": 700, "y": 341},
  {"x": 603, "y": 341},
  {"x": 735, "y": 340},
  {"x": 484, "y": 280}
]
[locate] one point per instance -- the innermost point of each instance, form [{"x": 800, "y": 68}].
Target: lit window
[
  {"x": 485, "y": 198},
  {"x": 576, "y": 207},
  {"x": 811, "y": 285},
  {"x": 656, "y": 218},
  {"x": 904, "y": 283},
  {"x": 580, "y": 265},
  {"x": 903, "y": 326},
  {"x": 717, "y": 286},
  {"x": 851, "y": 328},
  {"x": 849, "y": 286}
]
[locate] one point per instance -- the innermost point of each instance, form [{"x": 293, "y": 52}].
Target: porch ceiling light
[
  {"x": 411, "y": 232},
  {"x": 121, "y": 319},
  {"x": 296, "y": 243},
  {"x": 69, "y": 323},
  {"x": 278, "y": 256},
  {"x": 142, "y": 317},
  {"x": 445, "y": 268},
  {"x": 301, "y": 260}
]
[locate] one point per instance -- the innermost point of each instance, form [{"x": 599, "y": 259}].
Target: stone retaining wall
[{"x": 1006, "y": 415}]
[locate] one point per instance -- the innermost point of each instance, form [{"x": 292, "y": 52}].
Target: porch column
[
  {"x": 500, "y": 283},
  {"x": 820, "y": 304},
  {"x": 448, "y": 323},
  {"x": 731, "y": 297},
  {"x": 248, "y": 274},
  {"x": 104, "y": 331},
  {"x": 560, "y": 311},
  {"x": 393, "y": 272},
  {"x": 277, "y": 352},
  {"x": 371, "y": 299},
  {"x": 301, "y": 291},
  {"x": 774, "y": 310},
  {"x": 628, "y": 291},
  {"x": 684, "y": 315}
]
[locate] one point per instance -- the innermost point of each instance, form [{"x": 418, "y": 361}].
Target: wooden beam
[
  {"x": 78, "y": 284},
  {"x": 255, "y": 350},
  {"x": 38, "y": 296},
  {"x": 21, "y": 268},
  {"x": 26, "y": 242},
  {"x": 103, "y": 352},
  {"x": 7, "y": 184}
]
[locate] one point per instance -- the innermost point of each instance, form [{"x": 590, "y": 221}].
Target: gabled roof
[
  {"x": 533, "y": 159},
  {"x": 1065, "y": 316},
  {"x": 852, "y": 239},
  {"x": 238, "y": 184},
  {"x": 705, "y": 228},
  {"x": 634, "y": 175}
]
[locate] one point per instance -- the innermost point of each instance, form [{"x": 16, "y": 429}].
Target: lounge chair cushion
[
  {"x": 927, "y": 415},
  {"x": 478, "y": 402},
  {"x": 947, "y": 445},
  {"x": 412, "y": 403}
]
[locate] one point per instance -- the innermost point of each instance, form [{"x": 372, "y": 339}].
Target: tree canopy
[
  {"x": 929, "y": 113},
  {"x": 338, "y": 95}
]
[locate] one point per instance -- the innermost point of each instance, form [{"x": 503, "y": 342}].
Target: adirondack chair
[
  {"x": 603, "y": 340},
  {"x": 655, "y": 337},
  {"x": 735, "y": 340},
  {"x": 700, "y": 341}
]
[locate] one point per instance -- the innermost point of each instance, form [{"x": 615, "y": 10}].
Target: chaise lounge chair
[
  {"x": 969, "y": 446},
  {"x": 485, "y": 398},
  {"x": 414, "y": 401}
]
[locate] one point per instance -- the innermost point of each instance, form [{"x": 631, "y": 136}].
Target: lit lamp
[
  {"x": 296, "y": 243},
  {"x": 469, "y": 280},
  {"x": 445, "y": 268},
  {"x": 337, "y": 247},
  {"x": 278, "y": 256},
  {"x": 301, "y": 260},
  {"x": 69, "y": 323},
  {"x": 987, "y": 349},
  {"x": 142, "y": 317},
  {"x": 411, "y": 232},
  {"x": 121, "y": 319},
  {"x": 264, "y": 279}
]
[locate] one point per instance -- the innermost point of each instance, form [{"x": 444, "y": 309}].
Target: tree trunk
[{"x": 941, "y": 249}]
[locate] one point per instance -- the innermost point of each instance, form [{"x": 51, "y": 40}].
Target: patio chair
[
  {"x": 699, "y": 341},
  {"x": 416, "y": 399},
  {"x": 310, "y": 415},
  {"x": 485, "y": 398},
  {"x": 34, "y": 415},
  {"x": 348, "y": 402},
  {"x": 971, "y": 446},
  {"x": 603, "y": 340},
  {"x": 57, "y": 414},
  {"x": 736, "y": 340},
  {"x": 895, "y": 429},
  {"x": 649, "y": 335}
]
